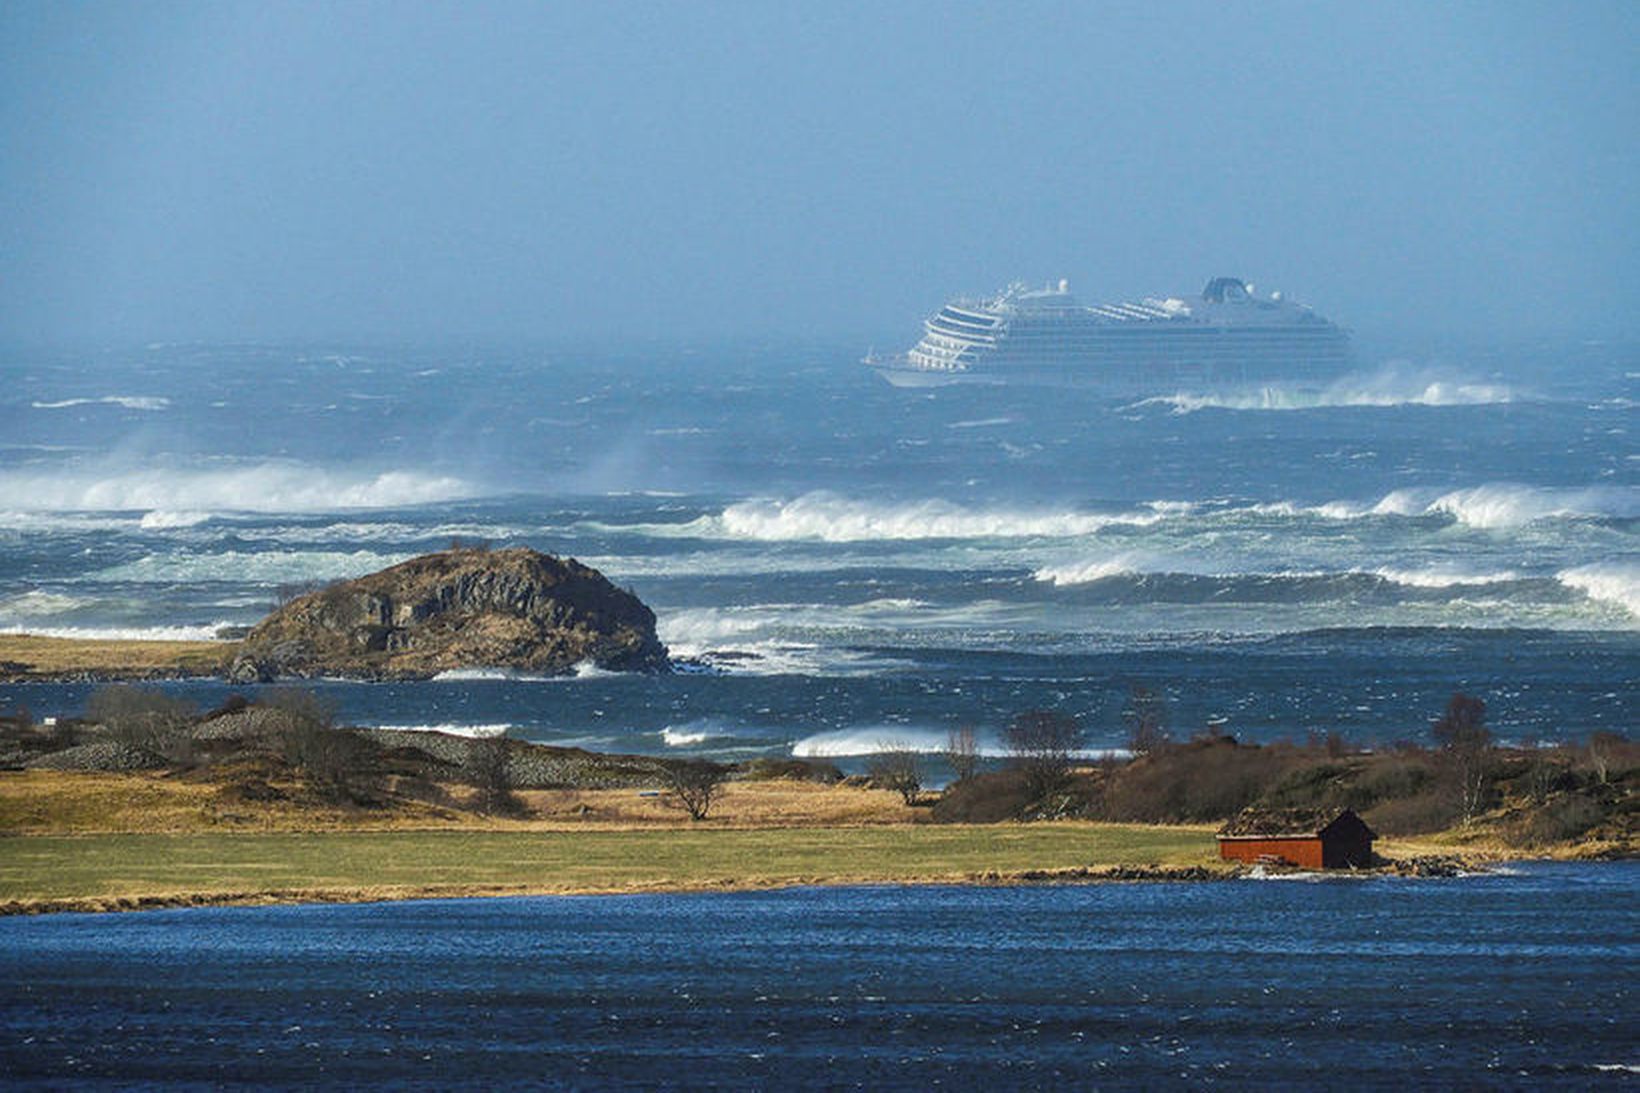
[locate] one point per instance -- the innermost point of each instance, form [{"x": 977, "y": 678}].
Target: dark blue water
[
  {"x": 1523, "y": 980},
  {"x": 854, "y": 562}
]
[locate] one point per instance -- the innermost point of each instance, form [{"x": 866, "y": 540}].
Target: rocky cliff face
[{"x": 514, "y": 608}]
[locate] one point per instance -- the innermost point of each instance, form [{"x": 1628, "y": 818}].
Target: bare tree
[
  {"x": 1466, "y": 747},
  {"x": 328, "y": 756},
  {"x": 1145, "y": 717},
  {"x": 488, "y": 771},
  {"x": 962, "y": 752},
  {"x": 145, "y": 718},
  {"x": 1601, "y": 749},
  {"x": 696, "y": 783},
  {"x": 897, "y": 766},
  {"x": 1042, "y": 743}
]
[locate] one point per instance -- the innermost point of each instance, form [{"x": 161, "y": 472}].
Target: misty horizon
[{"x": 374, "y": 173}]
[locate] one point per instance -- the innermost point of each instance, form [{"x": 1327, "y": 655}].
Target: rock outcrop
[{"x": 514, "y": 609}]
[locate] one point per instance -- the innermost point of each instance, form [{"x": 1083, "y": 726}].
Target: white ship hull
[{"x": 1227, "y": 339}]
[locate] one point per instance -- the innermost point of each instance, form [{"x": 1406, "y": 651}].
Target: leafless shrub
[
  {"x": 488, "y": 772},
  {"x": 1145, "y": 717},
  {"x": 1466, "y": 748},
  {"x": 307, "y": 735},
  {"x": 145, "y": 718},
  {"x": 696, "y": 783},
  {"x": 897, "y": 766},
  {"x": 1041, "y": 744},
  {"x": 962, "y": 752}
]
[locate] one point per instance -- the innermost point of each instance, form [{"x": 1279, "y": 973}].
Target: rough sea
[{"x": 840, "y": 563}]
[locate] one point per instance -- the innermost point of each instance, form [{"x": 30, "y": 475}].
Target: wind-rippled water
[
  {"x": 847, "y": 562},
  {"x": 1522, "y": 980}
]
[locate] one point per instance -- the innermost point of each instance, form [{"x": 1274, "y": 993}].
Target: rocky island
[{"x": 463, "y": 608}]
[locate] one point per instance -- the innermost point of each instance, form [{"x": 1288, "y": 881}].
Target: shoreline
[{"x": 1117, "y": 874}]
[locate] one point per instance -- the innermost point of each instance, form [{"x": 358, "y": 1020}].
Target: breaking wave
[
  {"x": 265, "y": 487},
  {"x": 129, "y": 402},
  {"x": 206, "y": 632},
  {"x": 271, "y": 567},
  {"x": 874, "y": 739},
  {"x": 1391, "y": 386},
  {"x": 451, "y": 729},
  {"x": 827, "y": 517},
  {"x": 1498, "y": 504},
  {"x": 1609, "y": 582}
]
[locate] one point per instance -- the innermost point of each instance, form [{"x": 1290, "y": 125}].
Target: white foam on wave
[
  {"x": 828, "y": 517},
  {"x": 205, "y": 632},
  {"x": 690, "y": 734},
  {"x": 165, "y": 519},
  {"x": 1442, "y": 578},
  {"x": 1393, "y": 385},
  {"x": 486, "y": 675},
  {"x": 1609, "y": 582},
  {"x": 1088, "y": 572},
  {"x": 263, "y": 487},
  {"x": 34, "y": 604},
  {"x": 874, "y": 739},
  {"x": 1492, "y": 505},
  {"x": 129, "y": 402},
  {"x": 243, "y": 567},
  {"x": 452, "y": 729}
]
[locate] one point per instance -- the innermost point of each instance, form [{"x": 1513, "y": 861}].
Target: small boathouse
[{"x": 1309, "y": 838}]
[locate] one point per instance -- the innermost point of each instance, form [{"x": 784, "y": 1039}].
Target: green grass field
[{"x": 106, "y": 870}]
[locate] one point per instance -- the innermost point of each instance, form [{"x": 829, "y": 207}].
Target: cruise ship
[{"x": 1229, "y": 336}]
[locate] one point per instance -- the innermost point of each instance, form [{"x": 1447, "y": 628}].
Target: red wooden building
[{"x": 1310, "y": 838}]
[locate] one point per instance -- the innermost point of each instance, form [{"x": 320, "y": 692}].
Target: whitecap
[
  {"x": 1087, "y": 572},
  {"x": 161, "y": 519},
  {"x": 129, "y": 402},
  {"x": 452, "y": 729},
  {"x": 1609, "y": 582},
  {"x": 125, "y": 633},
  {"x": 36, "y": 603},
  {"x": 263, "y": 487},
  {"x": 269, "y": 567},
  {"x": 1390, "y": 386},
  {"x": 828, "y": 517}
]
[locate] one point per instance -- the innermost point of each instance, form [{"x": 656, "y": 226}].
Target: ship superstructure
[{"x": 1228, "y": 335}]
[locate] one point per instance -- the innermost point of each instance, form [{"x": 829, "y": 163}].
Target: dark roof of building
[{"x": 1276, "y": 823}]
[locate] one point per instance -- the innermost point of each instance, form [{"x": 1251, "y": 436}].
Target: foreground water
[
  {"x": 1519, "y": 980},
  {"x": 851, "y": 563}
]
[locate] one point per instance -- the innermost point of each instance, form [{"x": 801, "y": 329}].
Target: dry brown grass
[
  {"x": 43, "y": 802},
  {"x": 24, "y": 655}
]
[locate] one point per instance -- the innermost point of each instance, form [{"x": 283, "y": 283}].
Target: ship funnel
[{"x": 1064, "y": 285}]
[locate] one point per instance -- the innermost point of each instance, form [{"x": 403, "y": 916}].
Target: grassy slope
[
  {"x": 104, "y": 870},
  {"x": 40, "y": 656}
]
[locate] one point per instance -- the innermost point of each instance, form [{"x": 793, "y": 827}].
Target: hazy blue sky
[{"x": 268, "y": 170}]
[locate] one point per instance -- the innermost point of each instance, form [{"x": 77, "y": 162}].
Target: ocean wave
[
  {"x": 1609, "y": 582},
  {"x": 1443, "y": 578},
  {"x": 245, "y": 567},
  {"x": 205, "y": 632},
  {"x": 828, "y": 517},
  {"x": 1088, "y": 572},
  {"x": 451, "y": 728},
  {"x": 164, "y": 520},
  {"x": 1492, "y": 505},
  {"x": 265, "y": 487},
  {"x": 129, "y": 402},
  {"x": 29, "y": 605},
  {"x": 925, "y": 740},
  {"x": 691, "y": 734},
  {"x": 1388, "y": 387},
  {"x": 491, "y": 675}
]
